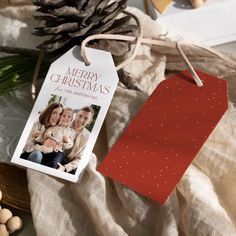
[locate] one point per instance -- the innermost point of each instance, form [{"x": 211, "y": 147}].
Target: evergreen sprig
[{"x": 17, "y": 70}]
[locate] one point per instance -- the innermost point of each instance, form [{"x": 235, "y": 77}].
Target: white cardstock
[{"x": 74, "y": 85}]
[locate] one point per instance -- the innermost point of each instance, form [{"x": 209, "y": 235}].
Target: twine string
[
  {"x": 189, "y": 65},
  {"x": 160, "y": 42},
  {"x": 116, "y": 37}
]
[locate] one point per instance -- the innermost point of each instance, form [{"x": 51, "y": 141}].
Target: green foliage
[
  {"x": 16, "y": 70},
  {"x": 54, "y": 98}
]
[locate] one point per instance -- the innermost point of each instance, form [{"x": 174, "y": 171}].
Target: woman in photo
[
  {"x": 63, "y": 136},
  {"x": 49, "y": 117}
]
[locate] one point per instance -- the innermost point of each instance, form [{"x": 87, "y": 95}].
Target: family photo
[{"x": 60, "y": 134}]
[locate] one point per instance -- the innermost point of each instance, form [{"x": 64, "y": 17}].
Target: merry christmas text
[{"x": 78, "y": 78}]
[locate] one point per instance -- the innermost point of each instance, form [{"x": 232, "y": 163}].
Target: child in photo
[{"x": 62, "y": 134}]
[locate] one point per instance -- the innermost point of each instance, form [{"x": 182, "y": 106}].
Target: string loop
[
  {"x": 191, "y": 69},
  {"x": 116, "y": 37},
  {"x": 159, "y": 41}
]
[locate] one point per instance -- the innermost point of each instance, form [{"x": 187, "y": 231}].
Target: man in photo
[{"x": 72, "y": 156}]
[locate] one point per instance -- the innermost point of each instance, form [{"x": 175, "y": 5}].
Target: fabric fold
[{"x": 203, "y": 202}]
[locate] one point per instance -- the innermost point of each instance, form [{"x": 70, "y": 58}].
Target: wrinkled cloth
[{"x": 203, "y": 202}]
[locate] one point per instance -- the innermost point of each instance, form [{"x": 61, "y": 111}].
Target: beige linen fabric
[{"x": 204, "y": 201}]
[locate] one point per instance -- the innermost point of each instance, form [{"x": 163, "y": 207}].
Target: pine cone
[{"x": 71, "y": 21}]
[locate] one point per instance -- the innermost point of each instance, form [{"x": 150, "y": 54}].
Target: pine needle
[{"x": 17, "y": 70}]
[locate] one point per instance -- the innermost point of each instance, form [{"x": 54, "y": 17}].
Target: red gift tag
[{"x": 160, "y": 143}]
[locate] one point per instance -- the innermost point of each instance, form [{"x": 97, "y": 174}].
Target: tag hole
[
  {"x": 87, "y": 63},
  {"x": 202, "y": 84}
]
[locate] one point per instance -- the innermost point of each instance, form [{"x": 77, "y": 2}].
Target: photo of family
[{"x": 59, "y": 135}]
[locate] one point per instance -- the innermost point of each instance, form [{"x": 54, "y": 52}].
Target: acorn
[
  {"x": 3, "y": 230},
  {"x": 5, "y": 215},
  {"x": 14, "y": 224}
]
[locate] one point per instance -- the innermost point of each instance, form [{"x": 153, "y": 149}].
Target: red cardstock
[{"x": 160, "y": 143}]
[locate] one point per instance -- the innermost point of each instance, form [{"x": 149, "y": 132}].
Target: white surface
[
  {"x": 229, "y": 48},
  {"x": 212, "y": 24}
]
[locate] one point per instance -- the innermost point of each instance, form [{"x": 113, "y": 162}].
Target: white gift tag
[{"x": 54, "y": 142}]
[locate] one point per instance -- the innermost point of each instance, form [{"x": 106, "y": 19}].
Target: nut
[
  {"x": 14, "y": 224},
  {"x": 3, "y": 230},
  {"x": 5, "y": 215}
]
